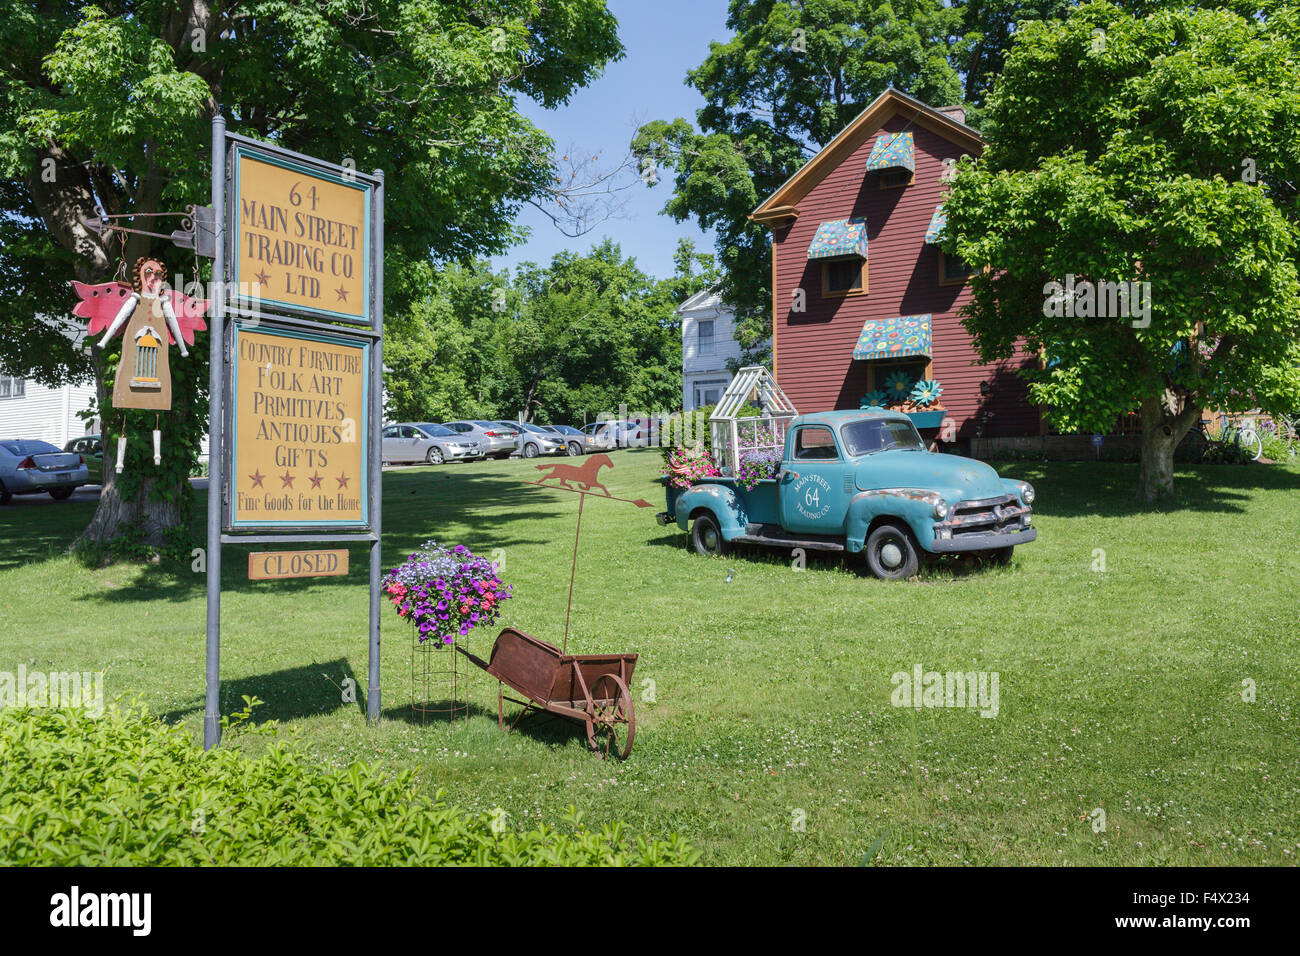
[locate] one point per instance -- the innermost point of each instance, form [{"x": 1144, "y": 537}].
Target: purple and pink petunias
[{"x": 446, "y": 592}]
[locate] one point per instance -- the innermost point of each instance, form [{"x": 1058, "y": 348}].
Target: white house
[
  {"x": 31, "y": 410},
  {"x": 708, "y": 340}
]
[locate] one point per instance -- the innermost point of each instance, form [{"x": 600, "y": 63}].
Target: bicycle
[
  {"x": 1241, "y": 432},
  {"x": 1288, "y": 426}
]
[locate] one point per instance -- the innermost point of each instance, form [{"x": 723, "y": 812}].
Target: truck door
[{"x": 812, "y": 482}]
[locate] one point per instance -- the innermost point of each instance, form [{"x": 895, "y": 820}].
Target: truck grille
[{"x": 987, "y": 516}]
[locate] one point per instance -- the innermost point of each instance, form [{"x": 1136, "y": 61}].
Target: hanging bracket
[{"x": 198, "y": 228}]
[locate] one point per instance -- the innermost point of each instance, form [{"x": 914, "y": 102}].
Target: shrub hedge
[{"x": 128, "y": 790}]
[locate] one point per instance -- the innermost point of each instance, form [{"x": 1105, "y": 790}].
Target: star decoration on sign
[
  {"x": 262, "y": 277},
  {"x": 342, "y": 479},
  {"x": 316, "y": 479},
  {"x": 257, "y": 477},
  {"x": 342, "y": 293},
  {"x": 286, "y": 480}
]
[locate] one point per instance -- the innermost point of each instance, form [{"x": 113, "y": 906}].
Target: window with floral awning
[
  {"x": 841, "y": 237},
  {"x": 937, "y": 222},
  {"x": 892, "y": 151},
  {"x": 894, "y": 338}
]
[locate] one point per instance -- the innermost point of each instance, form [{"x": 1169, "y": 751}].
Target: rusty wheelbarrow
[{"x": 591, "y": 689}]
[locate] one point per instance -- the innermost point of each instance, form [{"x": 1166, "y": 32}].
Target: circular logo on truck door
[{"x": 812, "y": 497}]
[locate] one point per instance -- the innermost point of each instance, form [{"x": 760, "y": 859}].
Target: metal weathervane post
[
  {"x": 584, "y": 476},
  {"x": 296, "y": 377}
]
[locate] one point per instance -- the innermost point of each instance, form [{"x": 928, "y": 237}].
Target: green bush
[
  {"x": 128, "y": 790},
  {"x": 1226, "y": 453},
  {"x": 1276, "y": 447}
]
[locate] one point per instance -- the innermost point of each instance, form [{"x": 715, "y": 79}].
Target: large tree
[
  {"x": 1162, "y": 150},
  {"x": 109, "y": 106},
  {"x": 989, "y": 30}
]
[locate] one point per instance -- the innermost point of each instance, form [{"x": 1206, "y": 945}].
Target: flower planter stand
[{"x": 438, "y": 680}]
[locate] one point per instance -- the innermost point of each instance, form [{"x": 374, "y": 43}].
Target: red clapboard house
[{"x": 862, "y": 297}]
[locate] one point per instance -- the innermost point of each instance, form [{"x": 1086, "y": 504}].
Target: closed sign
[{"x": 267, "y": 565}]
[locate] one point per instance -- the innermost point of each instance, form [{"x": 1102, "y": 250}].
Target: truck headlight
[
  {"x": 1027, "y": 492},
  {"x": 940, "y": 509}
]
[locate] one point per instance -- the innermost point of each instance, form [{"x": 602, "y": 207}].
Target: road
[{"x": 83, "y": 493}]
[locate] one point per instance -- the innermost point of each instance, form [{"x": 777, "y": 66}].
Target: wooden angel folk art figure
[{"x": 155, "y": 317}]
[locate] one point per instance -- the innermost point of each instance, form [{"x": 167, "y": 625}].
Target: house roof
[
  {"x": 708, "y": 298},
  {"x": 783, "y": 204}
]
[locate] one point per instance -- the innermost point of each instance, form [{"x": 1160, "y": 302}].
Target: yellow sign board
[
  {"x": 274, "y": 565},
  {"x": 298, "y": 429},
  {"x": 301, "y": 237}
]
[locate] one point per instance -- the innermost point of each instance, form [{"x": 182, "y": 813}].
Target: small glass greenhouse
[{"x": 735, "y": 437}]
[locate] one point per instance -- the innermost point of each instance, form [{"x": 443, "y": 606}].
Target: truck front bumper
[{"x": 983, "y": 542}]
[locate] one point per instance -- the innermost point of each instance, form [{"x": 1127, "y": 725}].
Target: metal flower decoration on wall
[
  {"x": 876, "y": 399},
  {"x": 898, "y": 386},
  {"x": 926, "y": 392}
]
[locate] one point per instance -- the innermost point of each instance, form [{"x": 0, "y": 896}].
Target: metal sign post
[
  {"x": 216, "y": 377},
  {"x": 299, "y": 252}
]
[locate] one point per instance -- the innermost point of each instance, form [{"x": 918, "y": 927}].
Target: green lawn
[{"x": 1119, "y": 690}]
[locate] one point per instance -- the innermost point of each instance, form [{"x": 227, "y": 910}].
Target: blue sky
[{"x": 664, "y": 39}]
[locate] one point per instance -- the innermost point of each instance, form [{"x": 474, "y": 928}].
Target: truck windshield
[{"x": 880, "y": 434}]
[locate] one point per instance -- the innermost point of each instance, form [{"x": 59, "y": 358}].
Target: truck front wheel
[
  {"x": 891, "y": 554},
  {"x": 998, "y": 557},
  {"x": 706, "y": 537}
]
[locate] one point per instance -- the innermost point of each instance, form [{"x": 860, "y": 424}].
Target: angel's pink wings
[{"x": 101, "y": 303}]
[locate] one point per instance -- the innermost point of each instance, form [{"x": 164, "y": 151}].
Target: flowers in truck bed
[
  {"x": 446, "y": 592},
  {"x": 757, "y": 466},
  {"x": 687, "y": 464}
]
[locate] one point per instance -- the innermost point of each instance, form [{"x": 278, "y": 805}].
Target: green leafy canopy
[
  {"x": 109, "y": 106},
  {"x": 1163, "y": 149}
]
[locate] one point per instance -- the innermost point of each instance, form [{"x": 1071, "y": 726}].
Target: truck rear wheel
[
  {"x": 891, "y": 553},
  {"x": 706, "y": 537}
]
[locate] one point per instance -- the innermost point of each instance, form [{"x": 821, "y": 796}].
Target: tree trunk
[
  {"x": 1161, "y": 433},
  {"x": 142, "y": 510}
]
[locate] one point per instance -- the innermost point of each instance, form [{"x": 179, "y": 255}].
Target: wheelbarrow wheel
[{"x": 611, "y": 724}]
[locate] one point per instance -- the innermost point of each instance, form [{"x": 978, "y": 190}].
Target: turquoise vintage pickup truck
[{"x": 861, "y": 481}]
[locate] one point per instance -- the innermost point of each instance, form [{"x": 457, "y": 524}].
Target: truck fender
[
  {"x": 718, "y": 499},
  {"x": 912, "y": 506}
]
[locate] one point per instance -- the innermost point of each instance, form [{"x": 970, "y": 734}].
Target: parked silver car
[
  {"x": 29, "y": 467},
  {"x": 536, "y": 440},
  {"x": 634, "y": 434},
  {"x": 599, "y": 436},
  {"x": 425, "y": 441},
  {"x": 496, "y": 441},
  {"x": 575, "y": 442}
]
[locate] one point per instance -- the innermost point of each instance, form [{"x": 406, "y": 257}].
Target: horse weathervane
[{"x": 582, "y": 480}]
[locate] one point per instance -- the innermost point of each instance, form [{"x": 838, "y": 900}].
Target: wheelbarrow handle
[{"x": 477, "y": 660}]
